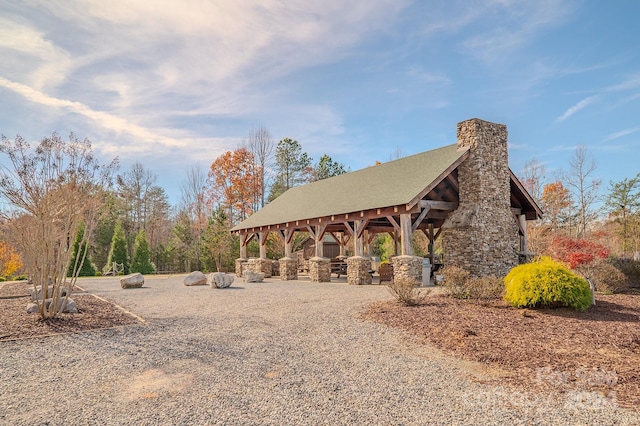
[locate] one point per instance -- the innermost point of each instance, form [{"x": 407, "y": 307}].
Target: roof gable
[{"x": 388, "y": 184}]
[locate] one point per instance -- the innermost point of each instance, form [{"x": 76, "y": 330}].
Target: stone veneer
[
  {"x": 358, "y": 270},
  {"x": 262, "y": 265},
  {"x": 239, "y": 266},
  {"x": 481, "y": 235},
  {"x": 407, "y": 267},
  {"x": 288, "y": 269},
  {"x": 320, "y": 269}
]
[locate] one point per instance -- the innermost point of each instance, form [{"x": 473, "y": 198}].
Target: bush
[
  {"x": 98, "y": 274},
  {"x": 605, "y": 276},
  {"x": 408, "y": 291},
  {"x": 462, "y": 286},
  {"x": 545, "y": 282},
  {"x": 631, "y": 270},
  {"x": 2, "y": 279}
]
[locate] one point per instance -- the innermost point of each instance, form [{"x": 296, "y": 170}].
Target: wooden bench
[{"x": 338, "y": 267}]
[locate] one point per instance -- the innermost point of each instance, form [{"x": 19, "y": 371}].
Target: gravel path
[{"x": 273, "y": 353}]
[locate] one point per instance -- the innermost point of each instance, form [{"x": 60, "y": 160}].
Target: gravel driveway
[{"x": 277, "y": 353}]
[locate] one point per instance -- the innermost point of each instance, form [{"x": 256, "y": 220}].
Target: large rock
[
  {"x": 220, "y": 280},
  {"x": 195, "y": 278},
  {"x": 253, "y": 277},
  {"x": 36, "y": 293},
  {"x": 132, "y": 281},
  {"x": 70, "y": 307}
]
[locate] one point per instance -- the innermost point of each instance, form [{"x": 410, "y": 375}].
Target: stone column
[
  {"x": 407, "y": 267},
  {"x": 319, "y": 269},
  {"x": 288, "y": 269},
  {"x": 262, "y": 265},
  {"x": 358, "y": 270},
  {"x": 239, "y": 266}
]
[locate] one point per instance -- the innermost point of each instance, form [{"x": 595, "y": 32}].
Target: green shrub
[
  {"x": 20, "y": 278},
  {"x": 2, "y": 279},
  {"x": 98, "y": 274},
  {"x": 545, "y": 282}
]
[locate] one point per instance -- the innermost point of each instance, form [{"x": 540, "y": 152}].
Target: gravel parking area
[{"x": 269, "y": 353}]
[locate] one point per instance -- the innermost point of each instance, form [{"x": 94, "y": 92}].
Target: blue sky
[{"x": 173, "y": 84}]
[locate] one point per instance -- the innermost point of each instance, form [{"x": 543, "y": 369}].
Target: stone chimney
[{"x": 481, "y": 235}]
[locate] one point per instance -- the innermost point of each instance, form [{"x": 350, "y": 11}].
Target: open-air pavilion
[{"x": 465, "y": 190}]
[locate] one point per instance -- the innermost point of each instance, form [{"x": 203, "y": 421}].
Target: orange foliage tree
[
  {"x": 10, "y": 261},
  {"x": 556, "y": 204},
  {"x": 235, "y": 181}
]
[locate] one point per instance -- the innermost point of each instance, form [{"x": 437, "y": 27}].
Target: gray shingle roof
[{"x": 384, "y": 185}]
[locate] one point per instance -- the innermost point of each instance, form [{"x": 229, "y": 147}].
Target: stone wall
[
  {"x": 320, "y": 269},
  {"x": 358, "y": 270},
  {"x": 481, "y": 235},
  {"x": 288, "y": 269},
  {"x": 407, "y": 268}
]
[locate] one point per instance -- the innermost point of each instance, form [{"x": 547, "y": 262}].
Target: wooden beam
[
  {"x": 420, "y": 218},
  {"x": 437, "y": 180},
  {"x": 437, "y": 205},
  {"x": 393, "y": 222}
]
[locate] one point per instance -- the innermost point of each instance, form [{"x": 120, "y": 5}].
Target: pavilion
[{"x": 464, "y": 193}]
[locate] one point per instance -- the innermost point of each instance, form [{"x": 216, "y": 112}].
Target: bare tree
[
  {"x": 193, "y": 205},
  {"x": 533, "y": 178},
  {"x": 53, "y": 189},
  {"x": 261, "y": 145},
  {"x": 584, "y": 187}
]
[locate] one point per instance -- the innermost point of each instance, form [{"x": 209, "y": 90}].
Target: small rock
[
  {"x": 70, "y": 308},
  {"x": 195, "y": 278},
  {"x": 132, "y": 281},
  {"x": 220, "y": 280},
  {"x": 253, "y": 277}
]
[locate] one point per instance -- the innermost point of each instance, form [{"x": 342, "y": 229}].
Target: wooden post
[
  {"x": 243, "y": 247},
  {"x": 262, "y": 242},
  {"x": 319, "y": 238},
  {"x": 342, "y": 244},
  {"x": 523, "y": 226},
  {"x": 431, "y": 245},
  {"x": 406, "y": 230},
  {"x": 359, "y": 231}
]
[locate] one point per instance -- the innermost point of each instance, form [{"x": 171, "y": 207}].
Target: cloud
[
  {"x": 620, "y": 134},
  {"x": 577, "y": 107}
]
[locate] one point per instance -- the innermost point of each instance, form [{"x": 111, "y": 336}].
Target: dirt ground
[
  {"x": 94, "y": 313},
  {"x": 552, "y": 350}
]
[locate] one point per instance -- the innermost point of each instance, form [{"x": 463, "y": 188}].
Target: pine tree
[
  {"x": 118, "y": 251},
  {"x": 79, "y": 251},
  {"x": 141, "y": 257}
]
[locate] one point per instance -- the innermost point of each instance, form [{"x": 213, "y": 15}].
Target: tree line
[{"x": 138, "y": 230}]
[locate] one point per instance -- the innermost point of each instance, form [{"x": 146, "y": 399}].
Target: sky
[{"x": 172, "y": 84}]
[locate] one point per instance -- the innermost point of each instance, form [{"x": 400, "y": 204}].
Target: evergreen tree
[
  {"x": 79, "y": 251},
  {"x": 118, "y": 251},
  {"x": 293, "y": 167},
  {"x": 141, "y": 257}
]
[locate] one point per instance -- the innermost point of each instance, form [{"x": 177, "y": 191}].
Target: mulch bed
[
  {"x": 546, "y": 349},
  {"x": 93, "y": 314}
]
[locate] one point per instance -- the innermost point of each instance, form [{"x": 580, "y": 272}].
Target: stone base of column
[
  {"x": 320, "y": 269},
  {"x": 407, "y": 268},
  {"x": 358, "y": 270},
  {"x": 241, "y": 263},
  {"x": 288, "y": 269},
  {"x": 275, "y": 268},
  {"x": 262, "y": 265}
]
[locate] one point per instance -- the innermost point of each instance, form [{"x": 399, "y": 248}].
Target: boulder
[
  {"x": 220, "y": 280},
  {"x": 195, "y": 278},
  {"x": 132, "y": 281},
  {"x": 36, "y": 294},
  {"x": 70, "y": 307},
  {"x": 253, "y": 277}
]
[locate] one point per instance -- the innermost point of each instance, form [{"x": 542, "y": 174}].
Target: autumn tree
[
  {"x": 260, "y": 144},
  {"x": 232, "y": 182},
  {"x": 292, "y": 167},
  {"x": 52, "y": 188},
  {"x": 326, "y": 168},
  {"x": 584, "y": 186},
  {"x": 623, "y": 204},
  {"x": 10, "y": 261},
  {"x": 556, "y": 204}
]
